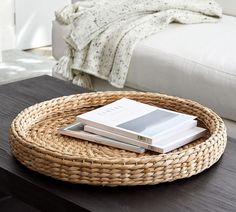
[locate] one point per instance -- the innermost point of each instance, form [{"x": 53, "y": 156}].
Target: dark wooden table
[{"x": 212, "y": 190}]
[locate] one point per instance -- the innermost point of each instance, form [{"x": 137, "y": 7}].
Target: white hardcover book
[
  {"x": 76, "y": 130},
  {"x": 98, "y": 131},
  {"x": 135, "y": 120}
]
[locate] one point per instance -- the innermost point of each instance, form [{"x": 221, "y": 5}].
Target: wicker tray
[{"x": 35, "y": 143}]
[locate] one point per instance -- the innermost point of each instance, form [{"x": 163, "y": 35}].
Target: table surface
[{"x": 212, "y": 190}]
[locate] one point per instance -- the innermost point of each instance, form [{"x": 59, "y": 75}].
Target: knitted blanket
[{"x": 104, "y": 33}]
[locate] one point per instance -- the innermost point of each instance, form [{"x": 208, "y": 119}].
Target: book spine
[
  {"x": 116, "y": 130},
  {"x": 115, "y": 136}
]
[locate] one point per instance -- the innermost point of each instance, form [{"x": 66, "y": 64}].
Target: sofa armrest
[{"x": 59, "y": 32}]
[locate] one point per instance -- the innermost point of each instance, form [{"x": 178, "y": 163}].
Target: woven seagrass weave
[{"x": 35, "y": 142}]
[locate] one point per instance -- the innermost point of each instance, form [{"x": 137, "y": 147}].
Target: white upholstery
[
  {"x": 191, "y": 61},
  {"x": 59, "y": 32},
  {"x": 229, "y": 6}
]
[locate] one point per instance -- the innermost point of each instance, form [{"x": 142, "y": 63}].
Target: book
[
  {"x": 135, "y": 120},
  {"x": 76, "y": 130},
  {"x": 124, "y": 139},
  {"x": 164, "y": 144}
]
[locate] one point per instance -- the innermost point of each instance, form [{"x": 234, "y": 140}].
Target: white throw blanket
[{"x": 104, "y": 33}]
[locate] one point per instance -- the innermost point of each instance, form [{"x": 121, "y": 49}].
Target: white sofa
[{"x": 197, "y": 62}]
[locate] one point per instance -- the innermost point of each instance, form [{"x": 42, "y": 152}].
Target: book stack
[{"x": 135, "y": 126}]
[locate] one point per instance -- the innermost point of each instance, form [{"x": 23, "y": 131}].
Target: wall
[
  {"x": 32, "y": 27},
  {"x": 7, "y": 30},
  {"x": 34, "y": 21}
]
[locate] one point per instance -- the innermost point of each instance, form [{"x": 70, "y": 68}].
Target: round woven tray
[{"x": 35, "y": 142}]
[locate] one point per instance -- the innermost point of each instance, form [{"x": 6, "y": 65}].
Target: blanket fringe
[
  {"x": 63, "y": 70},
  {"x": 83, "y": 80},
  {"x": 63, "y": 67}
]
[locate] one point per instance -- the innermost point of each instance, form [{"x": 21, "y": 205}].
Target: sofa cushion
[
  {"x": 228, "y": 6},
  {"x": 192, "y": 61}
]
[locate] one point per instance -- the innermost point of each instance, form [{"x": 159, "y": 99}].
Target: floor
[
  {"x": 45, "y": 51},
  {"x": 18, "y": 65}
]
